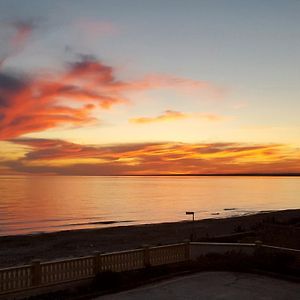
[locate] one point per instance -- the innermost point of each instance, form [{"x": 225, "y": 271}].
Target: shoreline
[
  {"x": 21, "y": 249},
  {"x": 117, "y": 224}
]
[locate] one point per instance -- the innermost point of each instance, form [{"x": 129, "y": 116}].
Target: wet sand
[{"x": 16, "y": 250}]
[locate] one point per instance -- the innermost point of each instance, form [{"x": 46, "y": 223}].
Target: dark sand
[{"x": 16, "y": 250}]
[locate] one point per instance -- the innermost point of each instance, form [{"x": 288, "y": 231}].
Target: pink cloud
[
  {"x": 21, "y": 32},
  {"x": 171, "y": 115},
  {"x": 38, "y": 103},
  {"x": 96, "y": 27}
]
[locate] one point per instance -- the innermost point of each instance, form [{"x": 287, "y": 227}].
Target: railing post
[
  {"x": 97, "y": 262},
  {"x": 36, "y": 272},
  {"x": 146, "y": 255},
  {"x": 258, "y": 244},
  {"x": 187, "y": 249},
  {"x": 258, "y": 247}
]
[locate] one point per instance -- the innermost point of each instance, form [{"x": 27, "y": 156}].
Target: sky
[{"x": 138, "y": 87}]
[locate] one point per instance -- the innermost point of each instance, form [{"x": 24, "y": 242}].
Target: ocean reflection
[{"x": 31, "y": 204}]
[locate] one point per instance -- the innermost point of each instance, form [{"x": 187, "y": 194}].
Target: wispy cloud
[
  {"x": 95, "y": 28},
  {"x": 172, "y": 115},
  {"x": 35, "y": 104},
  {"x": 168, "y": 115},
  {"x": 65, "y": 158},
  {"x": 31, "y": 104},
  {"x": 20, "y": 32},
  {"x": 185, "y": 85}
]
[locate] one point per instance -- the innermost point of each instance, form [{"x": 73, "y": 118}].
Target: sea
[{"x": 35, "y": 204}]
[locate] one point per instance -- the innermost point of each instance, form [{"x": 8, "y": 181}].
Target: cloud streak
[
  {"x": 65, "y": 158},
  {"x": 95, "y": 28},
  {"x": 31, "y": 104},
  {"x": 172, "y": 115},
  {"x": 168, "y": 115},
  {"x": 34, "y": 104},
  {"x": 21, "y": 31}
]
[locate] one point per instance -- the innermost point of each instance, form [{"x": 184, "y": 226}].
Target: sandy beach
[{"x": 279, "y": 228}]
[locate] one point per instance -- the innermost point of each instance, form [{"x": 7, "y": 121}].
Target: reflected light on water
[{"x": 31, "y": 204}]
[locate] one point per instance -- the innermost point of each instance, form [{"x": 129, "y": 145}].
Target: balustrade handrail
[
  {"x": 15, "y": 267},
  {"x": 281, "y": 248},
  {"x": 223, "y": 244},
  {"x": 122, "y": 251},
  {"x": 167, "y": 246},
  {"x": 66, "y": 260},
  {"x": 41, "y": 274}
]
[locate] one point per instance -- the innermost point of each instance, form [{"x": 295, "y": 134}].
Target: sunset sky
[{"x": 149, "y": 87}]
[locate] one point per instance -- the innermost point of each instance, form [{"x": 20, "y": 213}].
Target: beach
[
  {"x": 38, "y": 204},
  {"x": 22, "y": 249}
]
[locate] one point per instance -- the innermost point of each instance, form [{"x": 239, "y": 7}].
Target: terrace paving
[{"x": 214, "y": 286}]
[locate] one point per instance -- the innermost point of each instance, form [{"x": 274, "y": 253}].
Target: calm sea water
[{"x": 31, "y": 204}]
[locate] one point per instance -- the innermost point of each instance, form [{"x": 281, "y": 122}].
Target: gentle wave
[{"x": 31, "y": 204}]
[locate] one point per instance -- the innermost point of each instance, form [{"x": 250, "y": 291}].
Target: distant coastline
[
  {"x": 221, "y": 175},
  {"x": 165, "y": 175}
]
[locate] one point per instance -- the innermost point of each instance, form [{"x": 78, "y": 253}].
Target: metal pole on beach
[{"x": 193, "y": 214}]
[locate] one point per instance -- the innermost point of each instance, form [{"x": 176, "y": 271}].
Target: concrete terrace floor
[{"x": 213, "y": 286}]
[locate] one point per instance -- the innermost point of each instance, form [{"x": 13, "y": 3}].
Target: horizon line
[{"x": 164, "y": 175}]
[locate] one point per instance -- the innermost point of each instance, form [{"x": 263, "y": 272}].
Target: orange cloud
[
  {"x": 65, "y": 158},
  {"x": 168, "y": 115},
  {"x": 172, "y": 115},
  {"x": 30, "y": 105},
  {"x": 36, "y": 104}
]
